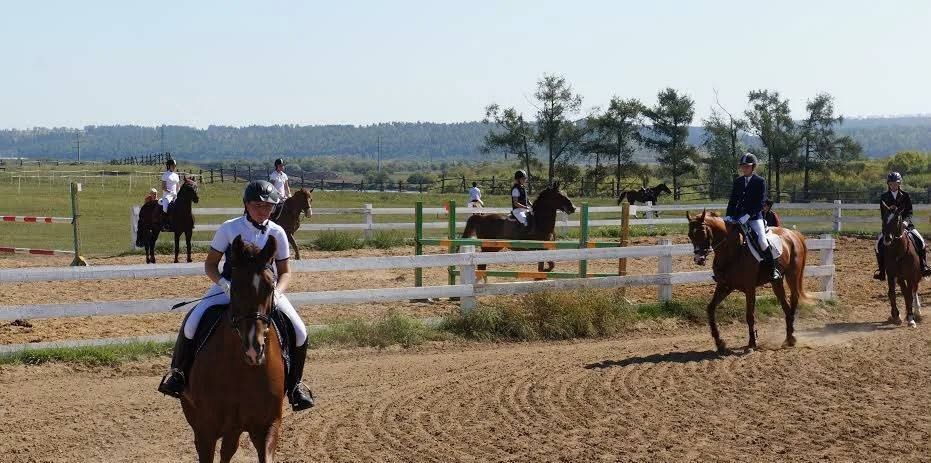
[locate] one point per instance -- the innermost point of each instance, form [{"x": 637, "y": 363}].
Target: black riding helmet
[
  {"x": 520, "y": 174},
  {"x": 169, "y": 163},
  {"x": 279, "y": 162},
  {"x": 260, "y": 190},
  {"x": 894, "y": 177},
  {"x": 748, "y": 159}
]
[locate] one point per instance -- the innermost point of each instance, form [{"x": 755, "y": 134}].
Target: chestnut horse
[
  {"x": 237, "y": 380},
  {"x": 542, "y": 223},
  {"x": 181, "y": 216},
  {"x": 736, "y": 269},
  {"x": 290, "y": 216},
  {"x": 902, "y": 265}
]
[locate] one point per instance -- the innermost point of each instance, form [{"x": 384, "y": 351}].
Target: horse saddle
[
  {"x": 210, "y": 321},
  {"x": 774, "y": 240}
]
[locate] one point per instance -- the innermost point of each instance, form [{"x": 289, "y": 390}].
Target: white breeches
[
  {"x": 284, "y": 305},
  {"x": 521, "y": 215},
  {"x": 913, "y": 232},
  {"x": 759, "y": 227},
  {"x": 167, "y": 198}
]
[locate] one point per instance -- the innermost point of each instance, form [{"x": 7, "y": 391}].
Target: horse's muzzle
[{"x": 700, "y": 257}]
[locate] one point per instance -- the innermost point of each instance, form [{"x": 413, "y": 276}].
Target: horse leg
[
  {"x": 916, "y": 308},
  {"x": 297, "y": 251},
  {"x": 751, "y": 317},
  {"x": 229, "y": 446},
  {"x": 264, "y": 443},
  {"x": 206, "y": 447},
  {"x": 720, "y": 292},
  {"x": 788, "y": 309},
  {"x": 187, "y": 239},
  {"x": 908, "y": 295},
  {"x": 177, "y": 244},
  {"x": 894, "y": 317}
]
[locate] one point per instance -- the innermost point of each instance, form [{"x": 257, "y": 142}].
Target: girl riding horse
[
  {"x": 897, "y": 199},
  {"x": 254, "y": 228},
  {"x": 746, "y": 206}
]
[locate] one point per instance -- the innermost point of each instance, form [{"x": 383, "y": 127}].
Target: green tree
[
  {"x": 908, "y": 162},
  {"x": 668, "y": 134},
  {"x": 770, "y": 120},
  {"x": 722, "y": 142},
  {"x": 821, "y": 146},
  {"x": 616, "y": 134},
  {"x": 515, "y": 136}
]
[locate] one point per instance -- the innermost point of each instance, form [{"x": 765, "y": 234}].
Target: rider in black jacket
[{"x": 894, "y": 196}]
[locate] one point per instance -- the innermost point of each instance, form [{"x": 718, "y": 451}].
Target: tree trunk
[{"x": 805, "y": 182}]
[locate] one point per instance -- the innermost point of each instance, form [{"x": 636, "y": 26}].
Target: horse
[
  {"x": 150, "y": 225},
  {"x": 734, "y": 268},
  {"x": 902, "y": 265},
  {"x": 542, "y": 223},
  {"x": 245, "y": 347},
  {"x": 180, "y": 215},
  {"x": 290, "y": 216},
  {"x": 644, "y": 194}
]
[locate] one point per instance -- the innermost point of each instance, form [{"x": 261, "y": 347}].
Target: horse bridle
[{"x": 703, "y": 252}]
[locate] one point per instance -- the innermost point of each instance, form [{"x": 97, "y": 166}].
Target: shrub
[
  {"x": 386, "y": 239},
  {"x": 337, "y": 241}
]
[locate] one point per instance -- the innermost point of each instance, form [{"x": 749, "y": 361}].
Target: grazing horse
[
  {"x": 150, "y": 224},
  {"x": 902, "y": 265},
  {"x": 542, "y": 223},
  {"x": 736, "y": 269},
  {"x": 237, "y": 380},
  {"x": 644, "y": 194},
  {"x": 180, "y": 215},
  {"x": 290, "y": 216}
]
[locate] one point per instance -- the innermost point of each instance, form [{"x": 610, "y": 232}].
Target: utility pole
[{"x": 77, "y": 144}]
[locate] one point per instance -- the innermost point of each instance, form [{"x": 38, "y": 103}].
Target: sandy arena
[{"x": 853, "y": 390}]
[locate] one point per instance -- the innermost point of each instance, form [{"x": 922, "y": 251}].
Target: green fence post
[
  {"x": 452, "y": 236},
  {"x": 78, "y": 260},
  {"x": 418, "y": 236},
  {"x": 583, "y": 239}
]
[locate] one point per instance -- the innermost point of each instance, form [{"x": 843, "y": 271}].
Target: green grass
[
  {"x": 110, "y": 355},
  {"x": 337, "y": 241},
  {"x": 394, "y": 329},
  {"x": 387, "y": 239}
]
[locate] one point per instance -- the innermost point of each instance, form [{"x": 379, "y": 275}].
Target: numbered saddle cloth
[{"x": 775, "y": 242}]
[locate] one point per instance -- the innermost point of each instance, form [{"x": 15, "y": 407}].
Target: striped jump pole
[
  {"x": 34, "y": 219},
  {"x": 73, "y": 220},
  {"x": 34, "y": 252}
]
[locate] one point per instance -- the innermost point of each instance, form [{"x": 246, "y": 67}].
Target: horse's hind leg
[
  {"x": 751, "y": 317},
  {"x": 229, "y": 446},
  {"x": 177, "y": 245},
  {"x": 788, "y": 309},
  {"x": 206, "y": 448},
  {"x": 297, "y": 251}
]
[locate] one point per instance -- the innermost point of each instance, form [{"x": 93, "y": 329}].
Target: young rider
[
  {"x": 746, "y": 205},
  {"x": 253, "y": 227},
  {"x": 280, "y": 180},
  {"x": 895, "y": 197},
  {"x": 475, "y": 196},
  {"x": 771, "y": 217},
  {"x": 170, "y": 183},
  {"x": 519, "y": 203},
  {"x": 151, "y": 196}
]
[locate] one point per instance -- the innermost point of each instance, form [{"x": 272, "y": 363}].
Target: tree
[
  {"x": 516, "y": 136},
  {"x": 822, "y": 147},
  {"x": 907, "y": 162},
  {"x": 616, "y": 133},
  {"x": 668, "y": 134},
  {"x": 722, "y": 142},
  {"x": 770, "y": 120}
]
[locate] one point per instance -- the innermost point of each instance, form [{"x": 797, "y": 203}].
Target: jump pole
[{"x": 78, "y": 260}]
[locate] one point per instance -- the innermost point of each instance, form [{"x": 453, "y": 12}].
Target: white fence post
[
  {"x": 369, "y": 221},
  {"x": 467, "y": 277},
  {"x": 837, "y": 215},
  {"x": 133, "y": 221},
  {"x": 563, "y": 222},
  {"x": 827, "y": 258},
  {"x": 649, "y": 215},
  {"x": 664, "y": 269}
]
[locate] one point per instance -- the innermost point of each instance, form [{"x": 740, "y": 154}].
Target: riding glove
[
  {"x": 224, "y": 284},
  {"x": 744, "y": 218}
]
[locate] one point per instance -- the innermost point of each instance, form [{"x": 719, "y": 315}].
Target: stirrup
[
  {"x": 172, "y": 383},
  {"x": 301, "y": 398},
  {"x": 879, "y": 275}
]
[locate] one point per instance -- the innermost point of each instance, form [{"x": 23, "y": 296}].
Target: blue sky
[{"x": 240, "y": 63}]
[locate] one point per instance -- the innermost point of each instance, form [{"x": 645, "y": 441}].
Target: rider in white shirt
[
  {"x": 475, "y": 196},
  {"x": 170, "y": 183},
  {"x": 279, "y": 180}
]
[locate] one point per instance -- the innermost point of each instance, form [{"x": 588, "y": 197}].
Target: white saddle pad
[{"x": 775, "y": 242}]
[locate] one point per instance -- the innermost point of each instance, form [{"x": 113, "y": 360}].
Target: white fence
[{"x": 467, "y": 261}]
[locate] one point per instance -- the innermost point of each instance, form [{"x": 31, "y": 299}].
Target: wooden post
[
  {"x": 467, "y": 304},
  {"x": 78, "y": 260},
  {"x": 369, "y": 222},
  {"x": 443, "y": 185},
  {"x": 837, "y": 215},
  {"x": 221, "y": 175},
  {"x": 622, "y": 241},
  {"x": 452, "y": 236},
  {"x": 418, "y": 236},
  {"x": 583, "y": 239},
  {"x": 234, "y": 175},
  {"x": 664, "y": 269},
  {"x": 827, "y": 258},
  {"x": 492, "y": 184}
]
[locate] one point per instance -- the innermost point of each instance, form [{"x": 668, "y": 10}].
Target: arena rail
[{"x": 467, "y": 291}]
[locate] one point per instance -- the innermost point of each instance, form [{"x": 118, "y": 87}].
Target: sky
[{"x": 72, "y": 64}]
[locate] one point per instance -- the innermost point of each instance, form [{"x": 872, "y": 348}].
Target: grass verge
[{"x": 110, "y": 355}]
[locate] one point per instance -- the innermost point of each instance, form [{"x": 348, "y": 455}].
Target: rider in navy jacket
[{"x": 746, "y": 207}]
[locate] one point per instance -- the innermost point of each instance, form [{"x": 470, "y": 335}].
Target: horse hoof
[
  {"x": 189, "y": 261},
  {"x": 789, "y": 342},
  {"x": 894, "y": 320},
  {"x": 722, "y": 347},
  {"x": 912, "y": 324}
]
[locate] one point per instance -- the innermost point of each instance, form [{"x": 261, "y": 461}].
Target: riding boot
[
  {"x": 299, "y": 395},
  {"x": 922, "y": 256},
  {"x": 774, "y": 263},
  {"x": 880, "y": 274},
  {"x": 182, "y": 359}
]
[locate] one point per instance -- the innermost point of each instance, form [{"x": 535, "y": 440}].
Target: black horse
[
  {"x": 644, "y": 194},
  {"x": 149, "y": 226},
  {"x": 181, "y": 216}
]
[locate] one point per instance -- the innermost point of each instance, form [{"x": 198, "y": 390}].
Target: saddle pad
[
  {"x": 775, "y": 242},
  {"x": 211, "y": 320}
]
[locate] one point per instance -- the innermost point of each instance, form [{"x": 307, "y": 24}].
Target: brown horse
[
  {"x": 290, "y": 217},
  {"x": 736, "y": 269},
  {"x": 181, "y": 216},
  {"x": 902, "y": 265},
  {"x": 542, "y": 223},
  {"x": 149, "y": 226},
  {"x": 237, "y": 380},
  {"x": 644, "y": 194}
]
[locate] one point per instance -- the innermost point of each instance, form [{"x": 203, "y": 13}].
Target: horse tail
[{"x": 800, "y": 256}]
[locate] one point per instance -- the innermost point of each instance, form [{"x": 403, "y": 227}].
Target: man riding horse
[
  {"x": 897, "y": 199},
  {"x": 745, "y": 207},
  {"x": 520, "y": 205}
]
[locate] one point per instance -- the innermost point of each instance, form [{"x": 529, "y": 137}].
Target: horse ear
[
  {"x": 703, "y": 212},
  {"x": 236, "y": 255},
  {"x": 311, "y": 190},
  {"x": 268, "y": 252}
]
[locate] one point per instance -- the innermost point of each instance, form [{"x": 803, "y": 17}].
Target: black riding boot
[
  {"x": 166, "y": 223},
  {"x": 774, "y": 263},
  {"x": 922, "y": 256},
  {"x": 181, "y": 360},
  {"x": 880, "y": 274},
  {"x": 300, "y": 397}
]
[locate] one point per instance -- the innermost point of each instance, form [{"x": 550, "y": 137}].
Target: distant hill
[{"x": 397, "y": 140}]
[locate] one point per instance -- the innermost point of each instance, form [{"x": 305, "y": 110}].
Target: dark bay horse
[
  {"x": 290, "y": 217},
  {"x": 150, "y": 225},
  {"x": 180, "y": 215},
  {"x": 736, "y": 269},
  {"x": 237, "y": 380},
  {"x": 542, "y": 223},
  {"x": 644, "y": 194},
  {"x": 902, "y": 265}
]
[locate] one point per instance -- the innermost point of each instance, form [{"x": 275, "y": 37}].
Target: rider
[
  {"x": 519, "y": 202},
  {"x": 151, "y": 196},
  {"x": 475, "y": 196},
  {"x": 895, "y": 197},
  {"x": 746, "y": 205},
  {"x": 255, "y": 228},
  {"x": 170, "y": 183},
  {"x": 769, "y": 215},
  {"x": 280, "y": 180}
]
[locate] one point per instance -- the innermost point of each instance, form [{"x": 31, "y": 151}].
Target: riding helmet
[
  {"x": 169, "y": 163},
  {"x": 894, "y": 177},
  {"x": 520, "y": 174},
  {"x": 260, "y": 190},
  {"x": 279, "y": 162},
  {"x": 748, "y": 158}
]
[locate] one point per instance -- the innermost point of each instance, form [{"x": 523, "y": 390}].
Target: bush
[
  {"x": 337, "y": 241},
  {"x": 386, "y": 239},
  {"x": 391, "y": 330},
  {"x": 108, "y": 355}
]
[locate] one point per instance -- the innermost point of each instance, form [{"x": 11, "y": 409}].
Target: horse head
[
  {"x": 252, "y": 289},
  {"x": 188, "y": 190},
  {"x": 305, "y": 198},
  {"x": 553, "y": 199},
  {"x": 893, "y": 226},
  {"x": 702, "y": 232},
  {"x": 661, "y": 188}
]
